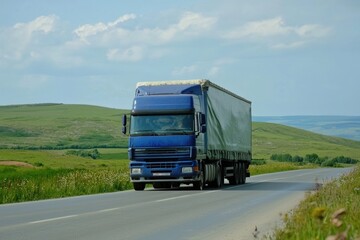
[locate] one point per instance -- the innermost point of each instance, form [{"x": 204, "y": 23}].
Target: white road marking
[
  {"x": 184, "y": 196},
  {"x": 52, "y": 219}
]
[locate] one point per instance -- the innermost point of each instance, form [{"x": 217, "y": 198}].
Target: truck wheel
[
  {"x": 242, "y": 173},
  {"x": 219, "y": 179},
  {"x": 139, "y": 186},
  {"x": 200, "y": 185},
  {"x": 243, "y": 168},
  {"x": 236, "y": 178}
]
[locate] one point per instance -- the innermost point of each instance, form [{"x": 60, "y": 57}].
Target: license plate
[{"x": 161, "y": 174}]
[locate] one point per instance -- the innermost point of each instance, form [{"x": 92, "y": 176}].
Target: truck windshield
[{"x": 162, "y": 124}]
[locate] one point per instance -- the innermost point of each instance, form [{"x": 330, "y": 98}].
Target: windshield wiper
[
  {"x": 177, "y": 130},
  {"x": 146, "y": 132}
]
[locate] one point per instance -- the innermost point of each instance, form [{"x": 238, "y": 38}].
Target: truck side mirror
[
  {"x": 124, "y": 121},
  {"x": 203, "y": 128},
  {"x": 201, "y": 122},
  {"x": 202, "y": 119}
]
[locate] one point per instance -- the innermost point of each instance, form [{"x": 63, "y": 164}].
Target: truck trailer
[{"x": 188, "y": 132}]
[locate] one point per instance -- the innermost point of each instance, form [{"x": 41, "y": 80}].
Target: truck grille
[
  {"x": 161, "y": 165},
  {"x": 156, "y": 153}
]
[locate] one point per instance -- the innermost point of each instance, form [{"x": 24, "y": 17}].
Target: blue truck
[{"x": 188, "y": 132}]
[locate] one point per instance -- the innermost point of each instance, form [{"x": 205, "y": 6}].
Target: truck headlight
[
  {"x": 136, "y": 171},
  {"x": 186, "y": 170}
]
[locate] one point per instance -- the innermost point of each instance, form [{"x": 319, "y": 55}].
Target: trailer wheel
[
  {"x": 139, "y": 186},
  {"x": 242, "y": 173},
  {"x": 236, "y": 178},
  {"x": 243, "y": 167}
]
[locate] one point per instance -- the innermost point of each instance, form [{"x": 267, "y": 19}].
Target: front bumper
[{"x": 174, "y": 171}]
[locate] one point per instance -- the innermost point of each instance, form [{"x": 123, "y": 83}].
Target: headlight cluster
[
  {"x": 136, "y": 171},
  {"x": 187, "y": 170}
]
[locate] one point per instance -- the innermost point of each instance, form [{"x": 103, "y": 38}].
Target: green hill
[
  {"x": 270, "y": 138},
  {"x": 57, "y": 126},
  {"x": 61, "y": 126},
  {"x": 338, "y": 126}
]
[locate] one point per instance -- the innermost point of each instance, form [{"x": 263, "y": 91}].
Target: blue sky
[{"x": 287, "y": 57}]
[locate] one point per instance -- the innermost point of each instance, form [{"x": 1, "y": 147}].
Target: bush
[
  {"x": 281, "y": 157},
  {"x": 38, "y": 164},
  {"x": 258, "y": 162},
  {"x": 329, "y": 163},
  {"x": 311, "y": 158},
  {"x": 94, "y": 154},
  {"x": 346, "y": 160},
  {"x": 298, "y": 159}
]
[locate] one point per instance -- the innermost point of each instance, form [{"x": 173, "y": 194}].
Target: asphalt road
[{"x": 228, "y": 213}]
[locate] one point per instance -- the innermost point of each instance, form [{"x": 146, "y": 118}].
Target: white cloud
[
  {"x": 190, "y": 24},
  {"x": 43, "y": 24},
  {"x": 22, "y": 36},
  {"x": 312, "y": 30},
  {"x": 131, "y": 54},
  {"x": 276, "y": 30},
  {"x": 264, "y": 28},
  {"x": 122, "y": 19},
  {"x": 115, "y": 37},
  {"x": 88, "y": 30},
  {"x": 196, "y": 21}
]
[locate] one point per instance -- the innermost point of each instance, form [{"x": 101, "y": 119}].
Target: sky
[{"x": 287, "y": 57}]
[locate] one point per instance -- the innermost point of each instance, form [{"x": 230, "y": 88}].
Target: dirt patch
[{"x": 15, "y": 163}]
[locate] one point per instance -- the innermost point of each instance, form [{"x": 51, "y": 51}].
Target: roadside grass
[
  {"x": 55, "y": 174},
  {"x": 51, "y": 183},
  {"x": 331, "y": 212}
]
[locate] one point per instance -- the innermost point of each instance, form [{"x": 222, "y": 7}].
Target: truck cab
[{"x": 167, "y": 127}]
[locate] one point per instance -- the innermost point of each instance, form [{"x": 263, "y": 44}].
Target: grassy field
[
  {"x": 58, "y": 126},
  {"x": 42, "y": 135},
  {"x": 332, "y": 212}
]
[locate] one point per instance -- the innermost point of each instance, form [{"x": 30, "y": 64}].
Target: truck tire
[
  {"x": 200, "y": 185},
  {"x": 242, "y": 173},
  {"x": 243, "y": 167},
  {"x": 139, "y": 186},
  {"x": 236, "y": 178},
  {"x": 219, "y": 178}
]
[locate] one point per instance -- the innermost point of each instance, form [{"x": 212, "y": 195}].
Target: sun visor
[{"x": 159, "y": 104}]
